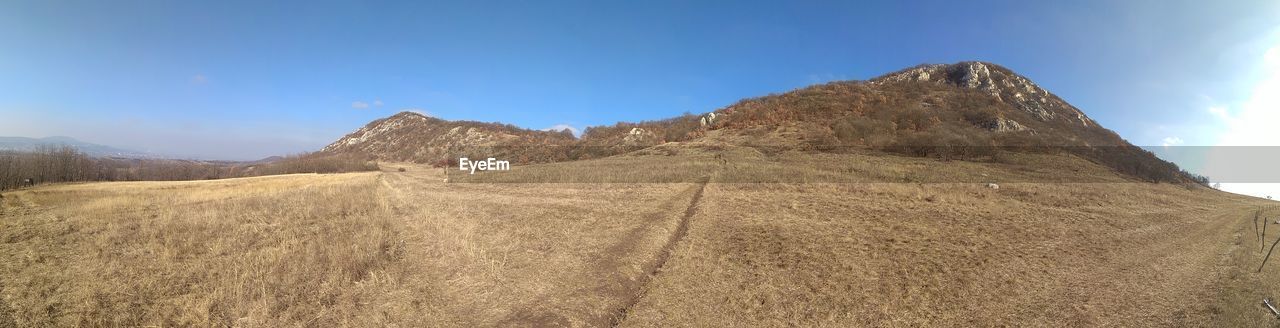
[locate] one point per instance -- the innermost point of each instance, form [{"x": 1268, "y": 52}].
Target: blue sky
[{"x": 245, "y": 80}]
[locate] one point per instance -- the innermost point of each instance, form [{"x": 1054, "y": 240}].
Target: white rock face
[
  {"x": 977, "y": 76},
  {"x": 1083, "y": 120},
  {"x": 367, "y": 133},
  {"x": 707, "y": 120},
  {"x": 1006, "y": 125},
  {"x": 1010, "y": 88},
  {"x": 918, "y": 74},
  {"x": 638, "y": 135},
  {"x": 993, "y": 186}
]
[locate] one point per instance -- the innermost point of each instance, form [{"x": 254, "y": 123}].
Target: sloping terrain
[
  {"x": 970, "y": 111},
  {"x": 406, "y": 248}
]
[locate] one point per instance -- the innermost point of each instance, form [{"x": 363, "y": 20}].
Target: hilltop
[{"x": 413, "y": 137}]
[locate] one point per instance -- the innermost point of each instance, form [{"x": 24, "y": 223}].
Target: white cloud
[
  {"x": 377, "y": 103},
  {"x": 1220, "y": 112},
  {"x": 562, "y": 127},
  {"x": 1250, "y": 122},
  {"x": 199, "y": 79},
  {"x": 359, "y": 105},
  {"x": 1171, "y": 141}
]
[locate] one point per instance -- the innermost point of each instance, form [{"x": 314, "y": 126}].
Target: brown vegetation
[
  {"x": 66, "y": 164},
  {"x": 413, "y": 137},
  {"x": 402, "y": 248},
  {"x": 921, "y": 118},
  {"x": 300, "y": 249}
]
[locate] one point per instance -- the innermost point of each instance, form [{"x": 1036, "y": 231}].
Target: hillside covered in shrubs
[{"x": 971, "y": 111}]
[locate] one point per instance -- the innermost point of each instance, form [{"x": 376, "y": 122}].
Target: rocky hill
[
  {"x": 413, "y": 137},
  {"x": 962, "y": 111}
]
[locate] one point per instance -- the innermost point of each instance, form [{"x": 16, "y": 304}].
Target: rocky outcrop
[
  {"x": 639, "y": 136},
  {"x": 998, "y": 82},
  {"x": 1005, "y": 125},
  {"x": 708, "y": 120}
]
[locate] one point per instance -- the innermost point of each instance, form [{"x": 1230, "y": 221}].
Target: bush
[
  {"x": 864, "y": 131},
  {"x": 313, "y": 163}
]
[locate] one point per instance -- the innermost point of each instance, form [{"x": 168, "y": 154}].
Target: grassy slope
[
  {"x": 403, "y": 248},
  {"x": 960, "y": 254},
  {"x": 345, "y": 249}
]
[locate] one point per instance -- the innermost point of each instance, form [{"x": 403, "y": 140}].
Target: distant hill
[
  {"x": 413, "y": 137},
  {"x": 91, "y": 149},
  {"x": 967, "y": 110}
]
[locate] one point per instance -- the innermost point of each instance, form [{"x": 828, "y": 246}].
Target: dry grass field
[{"x": 830, "y": 240}]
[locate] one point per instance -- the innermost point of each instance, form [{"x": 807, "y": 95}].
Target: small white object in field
[{"x": 993, "y": 186}]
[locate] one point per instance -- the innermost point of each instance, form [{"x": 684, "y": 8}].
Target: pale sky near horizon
[{"x": 247, "y": 79}]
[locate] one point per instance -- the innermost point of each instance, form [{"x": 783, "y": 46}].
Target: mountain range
[
  {"x": 91, "y": 149},
  {"x": 965, "y": 110}
]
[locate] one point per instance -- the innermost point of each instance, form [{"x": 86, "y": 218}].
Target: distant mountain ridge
[{"x": 91, "y": 149}]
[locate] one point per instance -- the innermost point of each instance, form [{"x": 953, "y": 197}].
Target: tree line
[{"x": 50, "y": 164}]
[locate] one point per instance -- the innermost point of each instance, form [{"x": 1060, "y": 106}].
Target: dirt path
[
  {"x": 636, "y": 292},
  {"x": 503, "y": 269}
]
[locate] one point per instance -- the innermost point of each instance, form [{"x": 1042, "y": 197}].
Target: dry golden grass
[
  {"x": 406, "y": 249},
  {"x": 349, "y": 249},
  {"x": 547, "y": 254},
  {"x": 249, "y": 252},
  {"x": 951, "y": 254}
]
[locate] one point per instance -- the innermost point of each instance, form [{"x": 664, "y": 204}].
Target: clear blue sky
[{"x": 245, "y": 80}]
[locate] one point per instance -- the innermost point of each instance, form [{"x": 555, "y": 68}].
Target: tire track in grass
[{"x": 663, "y": 255}]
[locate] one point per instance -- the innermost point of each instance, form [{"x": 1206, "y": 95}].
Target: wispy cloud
[
  {"x": 1171, "y": 141},
  {"x": 562, "y": 127},
  {"x": 199, "y": 79},
  {"x": 360, "y": 104},
  {"x": 826, "y": 77},
  {"x": 1219, "y": 112}
]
